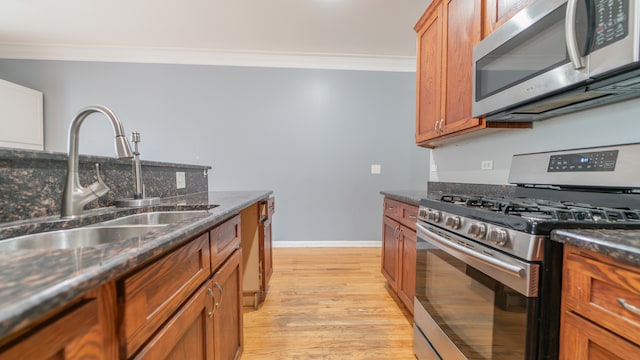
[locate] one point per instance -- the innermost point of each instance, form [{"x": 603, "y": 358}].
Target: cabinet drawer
[
  {"x": 582, "y": 339},
  {"x": 392, "y": 209},
  {"x": 49, "y": 341},
  {"x": 225, "y": 238},
  {"x": 402, "y": 212},
  {"x": 151, "y": 295},
  {"x": 595, "y": 287},
  {"x": 409, "y": 216}
]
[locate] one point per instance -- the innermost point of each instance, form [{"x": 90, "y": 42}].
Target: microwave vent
[{"x": 554, "y": 104}]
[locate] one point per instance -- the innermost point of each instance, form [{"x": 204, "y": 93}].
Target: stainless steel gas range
[{"x": 488, "y": 277}]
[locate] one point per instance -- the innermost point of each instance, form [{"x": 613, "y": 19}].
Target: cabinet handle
[
  {"x": 213, "y": 295},
  {"x": 412, "y": 217},
  {"x": 396, "y": 231},
  {"x": 221, "y": 295},
  {"x": 628, "y": 306},
  {"x": 441, "y": 126}
]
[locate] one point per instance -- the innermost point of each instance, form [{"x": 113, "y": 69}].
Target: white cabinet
[{"x": 20, "y": 117}]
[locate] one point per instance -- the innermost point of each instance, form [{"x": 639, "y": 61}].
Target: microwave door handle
[{"x": 570, "y": 35}]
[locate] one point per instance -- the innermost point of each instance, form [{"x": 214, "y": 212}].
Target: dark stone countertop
[
  {"x": 35, "y": 282},
  {"x": 407, "y": 196},
  {"x": 621, "y": 244},
  {"x": 13, "y": 154}
]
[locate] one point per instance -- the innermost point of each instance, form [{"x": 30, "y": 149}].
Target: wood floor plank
[{"x": 328, "y": 303}]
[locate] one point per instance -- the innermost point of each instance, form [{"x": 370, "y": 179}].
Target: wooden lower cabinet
[
  {"x": 189, "y": 333},
  {"x": 595, "y": 322},
  {"x": 185, "y": 305},
  {"x": 266, "y": 260},
  {"x": 399, "y": 249},
  {"x": 60, "y": 338},
  {"x": 407, "y": 284},
  {"x": 209, "y": 325},
  {"x": 256, "y": 244},
  {"x": 390, "y": 246},
  {"x": 227, "y": 311}
]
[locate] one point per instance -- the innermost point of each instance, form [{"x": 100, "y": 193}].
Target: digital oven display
[{"x": 591, "y": 161}]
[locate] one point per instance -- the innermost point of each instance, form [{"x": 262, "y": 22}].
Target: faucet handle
[{"x": 99, "y": 188}]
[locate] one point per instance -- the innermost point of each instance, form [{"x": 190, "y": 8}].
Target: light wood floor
[{"x": 327, "y": 303}]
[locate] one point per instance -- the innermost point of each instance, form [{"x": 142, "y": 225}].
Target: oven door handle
[{"x": 510, "y": 269}]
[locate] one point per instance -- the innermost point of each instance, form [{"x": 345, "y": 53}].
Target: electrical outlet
[
  {"x": 486, "y": 165},
  {"x": 180, "y": 180},
  {"x": 375, "y": 168}
]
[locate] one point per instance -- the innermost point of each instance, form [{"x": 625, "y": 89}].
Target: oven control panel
[{"x": 587, "y": 161}]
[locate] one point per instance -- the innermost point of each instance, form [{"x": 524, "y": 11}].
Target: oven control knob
[
  {"x": 435, "y": 216},
  {"x": 479, "y": 230},
  {"x": 453, "y": 222},
  {"x": 498, "y": 237}
]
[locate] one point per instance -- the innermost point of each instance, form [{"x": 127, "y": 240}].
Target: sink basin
[
  {"x": 76, "y": 238},
  {"x": 155, "y": 218}
]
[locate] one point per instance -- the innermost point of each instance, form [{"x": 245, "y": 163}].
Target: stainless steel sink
[
  {"x": 76, "y": 238},
  {"x": 155, "y": 218}
]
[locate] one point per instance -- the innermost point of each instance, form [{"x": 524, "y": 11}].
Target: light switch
[
  {"x": 180, "y": 180},
  {"x": 375, "y": 168}
]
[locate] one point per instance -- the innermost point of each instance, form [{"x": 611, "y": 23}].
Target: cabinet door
[
  {"x": 266, "y": 261},
  {"x": 227, "y": 318},
  {"x": 407, "y": 281},
  {"x": 499, "y": 11},
  {"x": 225, "y": 238},
  {"x": 581, "y": 339},
  {"x": 462, "y": 24},
  {"x": 152, "y": 294},
  {"x": 51, "y": 341},
  {"x": 390, "y": 232},
  {"x": 429, "y": 74},
  {"x": 189, "y": 333}
]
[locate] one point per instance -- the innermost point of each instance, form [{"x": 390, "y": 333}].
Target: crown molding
[{"x": 157, "y": 55}]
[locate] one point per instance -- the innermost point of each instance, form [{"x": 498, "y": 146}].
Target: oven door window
[{"x": 482, "y": 317}]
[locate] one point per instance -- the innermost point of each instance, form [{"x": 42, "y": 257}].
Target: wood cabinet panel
[
  {"x": 499, "y": 11},
  {"x": 152, "y": 294},
  {"x": 399, "y": 249},
  {"x": 407, "y": 281},
  {"x": 595, "y": 324},
  {"x": 594, "y": 288},
  {"x": 225, "y": 238},
  {"x": 462, "y": 30},
  {"x": 227, "y": 318},
  {"x": 390, "y": 261},
  {"x": 581, "y": 339},
  {"x": 51, "y": 340},
  {"x": 266, "y": 261},
  {"x": 189, "y": 333},
  {"x": 429, "y": 77},
  {"x": 447, "y": 33}
]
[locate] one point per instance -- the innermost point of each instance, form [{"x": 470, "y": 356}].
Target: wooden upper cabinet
[
  {"x": 447, "y": 33},
  {"x": 429, "y": 79},
  {"x": 499, "y": 11}
]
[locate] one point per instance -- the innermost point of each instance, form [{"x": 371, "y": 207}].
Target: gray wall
[
  {"x": 607, "y": 125},
  {"x": 309, "y": 135}
]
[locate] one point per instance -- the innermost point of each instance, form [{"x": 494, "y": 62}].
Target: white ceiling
[{"x": 310, "y": 33}]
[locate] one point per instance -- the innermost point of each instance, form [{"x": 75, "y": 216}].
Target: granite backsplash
[{"x": 32, "y": 182}]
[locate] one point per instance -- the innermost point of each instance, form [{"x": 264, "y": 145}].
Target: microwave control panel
[
  {"x": 590, "y": 161},
  {"x": 611, "y": 22}
]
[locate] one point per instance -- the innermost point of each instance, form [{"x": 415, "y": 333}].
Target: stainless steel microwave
[{"x": 558, "y": 56}]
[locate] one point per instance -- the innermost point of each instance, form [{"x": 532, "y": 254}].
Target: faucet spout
[{"x": 75, "y": 196}]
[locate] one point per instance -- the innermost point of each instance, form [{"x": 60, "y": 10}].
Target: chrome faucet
[{"x": 75, "y": 196}]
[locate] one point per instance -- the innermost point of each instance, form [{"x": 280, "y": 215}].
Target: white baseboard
[{"x": 339, "y": 243}]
